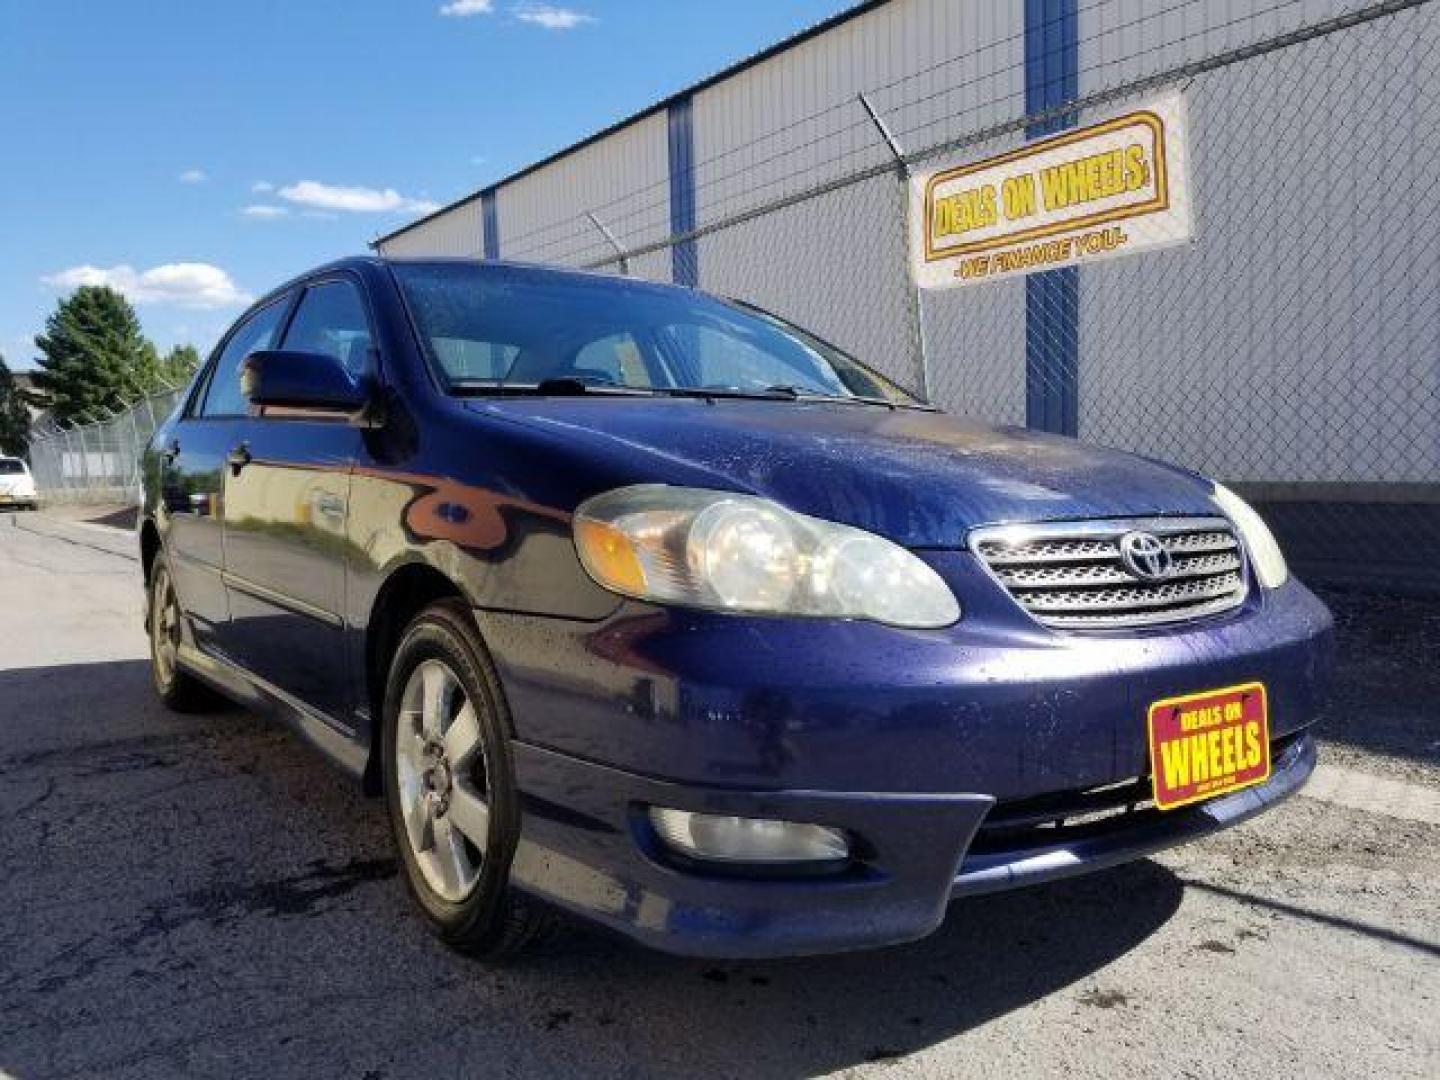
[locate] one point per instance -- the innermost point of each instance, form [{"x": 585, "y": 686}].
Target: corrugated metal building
[{"x": 1294, "y": 345}]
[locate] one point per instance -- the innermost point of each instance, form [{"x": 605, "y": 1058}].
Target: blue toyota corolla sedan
[{"x": 653, "y": 608}]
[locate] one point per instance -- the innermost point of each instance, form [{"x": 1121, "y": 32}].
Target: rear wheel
[
  {"x": 176, "y": 688},
  {"x": 449, "y": 786}
]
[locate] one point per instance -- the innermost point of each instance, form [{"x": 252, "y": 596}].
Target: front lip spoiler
[{"x": 1003, "y": 870}]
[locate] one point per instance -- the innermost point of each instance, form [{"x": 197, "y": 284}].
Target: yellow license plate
[{"x": 1208, "y": 744}]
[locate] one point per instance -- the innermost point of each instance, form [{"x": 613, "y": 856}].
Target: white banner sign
[{"x": 1114, "y": 188}]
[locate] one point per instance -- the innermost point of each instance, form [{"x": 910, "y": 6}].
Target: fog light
[{"x": 724, "y": 838}]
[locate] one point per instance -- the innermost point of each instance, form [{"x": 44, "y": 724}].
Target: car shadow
[
  {"x": 122, "y": 518},
  {"x": 188, "y": 893}
]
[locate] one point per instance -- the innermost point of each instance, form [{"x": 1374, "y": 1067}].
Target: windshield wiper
[
  {"x": 799, "y": 393},
  {"x": 568, "y": 386},
  {"x": 778, "y": 392},
  {"x": 561, "y": 387},
  {"x": 713, "y": 392}
]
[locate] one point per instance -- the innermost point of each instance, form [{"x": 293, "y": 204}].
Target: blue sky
[{"x": 142, "y": 137}]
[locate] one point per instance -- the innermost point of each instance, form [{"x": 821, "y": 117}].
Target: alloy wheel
[
  {"x": 164, "y": 628},
  {"x": 439, "y": 762}
]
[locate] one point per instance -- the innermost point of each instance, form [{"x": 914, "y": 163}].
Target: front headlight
[
  {"x": 716, "y": 549},
  {"x": 1259, "y": 541}
]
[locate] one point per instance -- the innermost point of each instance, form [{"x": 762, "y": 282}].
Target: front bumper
[
  {"x": 587, "y": 849},
  {"x": 1124, "y": 837},
  {"x": 915, "y": 742}
]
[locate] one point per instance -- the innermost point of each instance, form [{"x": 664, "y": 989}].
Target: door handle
[
  {"x": 331, "y": 506},
  {"x": 238, "y": 458}
]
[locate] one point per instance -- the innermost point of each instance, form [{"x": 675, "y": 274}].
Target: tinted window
[
  {"x": 224, "y": 398},
  {"x": 10, "y": 466},
  {"x": 517, "y": 327},
  {"x": 331, "y": 320}
]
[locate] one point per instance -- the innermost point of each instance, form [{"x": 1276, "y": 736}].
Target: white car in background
[{"x": 17, "y": 486}]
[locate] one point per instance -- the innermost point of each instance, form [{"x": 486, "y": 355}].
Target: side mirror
[{"x": 302, "y": 382}]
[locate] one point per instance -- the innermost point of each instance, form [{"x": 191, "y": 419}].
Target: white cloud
[
  {"x": 260, "y": 187},
  {"x": 354, "y": 200},
  {"x": 551, "y": 18},
  {"x": 186, "y": 285},
  {"x": 265, "y": 212},
  {"x": 193, "y": 176},
  {"x": 461, "y": 8}
]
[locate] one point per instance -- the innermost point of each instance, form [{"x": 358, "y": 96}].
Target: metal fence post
[
  {"x": 133, "y": 472},
  {"x": 916, "y": 295},
  {"x": 109, "y": 438},
  {"x": 620, "y": 251},
  {"x": 84, "y": 456}
]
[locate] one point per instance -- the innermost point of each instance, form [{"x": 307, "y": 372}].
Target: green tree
[
  {"x": 94, "y": 355},
  {"x": 14, "y": 416},
  {"x": 177, "y": 366}
]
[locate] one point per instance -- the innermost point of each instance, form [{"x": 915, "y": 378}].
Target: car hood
[{"x": 919, "y": 478}]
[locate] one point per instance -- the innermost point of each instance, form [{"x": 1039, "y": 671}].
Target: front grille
[
  {"x": 1044, "y": 821},
  {"x": 1071, "y": 574}
]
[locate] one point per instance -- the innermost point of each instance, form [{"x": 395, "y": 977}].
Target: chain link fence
[
  {"x": 1292, "y": 348},
  {"x": 98, "y": 461}
]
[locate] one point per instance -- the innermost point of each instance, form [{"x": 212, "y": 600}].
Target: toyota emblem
[{"x": 1146, "y": 557}]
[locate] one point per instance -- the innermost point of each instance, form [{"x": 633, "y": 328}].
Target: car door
[
  {"x": 287, "y": 496},
  {"x": 193, "y": 474}
]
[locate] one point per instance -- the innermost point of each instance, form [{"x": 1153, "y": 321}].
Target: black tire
[
  {"x": 493, "y": 921},
  {"x": 177, "y": 689}
]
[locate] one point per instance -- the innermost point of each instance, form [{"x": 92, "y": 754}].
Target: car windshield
[
  {"x": 11, "y": 466},
  {"x": 505, "y": 329}
]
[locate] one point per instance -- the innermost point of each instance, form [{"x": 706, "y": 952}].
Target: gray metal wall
[
  {"x": 457, "y": 231},
  {"x": 623, "y": 180}
]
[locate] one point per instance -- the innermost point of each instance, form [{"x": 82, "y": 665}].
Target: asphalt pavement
[{"x": 204, "y": 896}]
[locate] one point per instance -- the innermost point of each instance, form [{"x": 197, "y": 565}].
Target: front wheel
[{"x": 450, "y": 788}]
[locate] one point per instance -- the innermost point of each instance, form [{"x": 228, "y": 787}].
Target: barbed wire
[
  {"x": 55, "y": 428},
  {"x": 1174, "y": 75},
  {"x": 575, "y": 228}
]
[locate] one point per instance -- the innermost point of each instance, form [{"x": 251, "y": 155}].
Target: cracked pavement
[{"x": 205, "y": 896}]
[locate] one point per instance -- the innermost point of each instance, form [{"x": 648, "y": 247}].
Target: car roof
[{"x": 375, "y": 262}]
